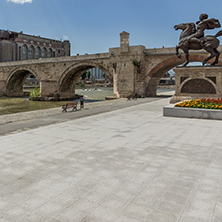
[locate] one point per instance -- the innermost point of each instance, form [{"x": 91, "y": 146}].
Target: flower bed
[
  {"x": 192, "y": 112},
  {"x": 201, "y": 103}
]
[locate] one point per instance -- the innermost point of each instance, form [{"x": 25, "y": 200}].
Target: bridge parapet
[
  {"x": 172, "y": 51},
  {"x": 56, "y": 59},
  {"x": 157, "y": 51}
]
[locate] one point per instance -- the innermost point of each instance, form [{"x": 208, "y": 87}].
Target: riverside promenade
[{"x": 119, "y": 162}]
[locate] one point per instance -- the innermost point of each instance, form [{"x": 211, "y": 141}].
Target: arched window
[
  {"x": 24, "y": 52},
  {"x": 44, "y": 53},
  {"x": 49, "y": 53},
  {"x": 38, "y": 52},
  {"x": 31, "y": 52}
]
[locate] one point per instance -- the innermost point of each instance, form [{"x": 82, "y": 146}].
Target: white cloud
[
  {"x": 65, "y": 37},
  {"x": 20, "y": 1}
]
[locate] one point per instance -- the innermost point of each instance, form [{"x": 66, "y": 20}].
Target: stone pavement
[
  {"x": 32, "y": 119},
  {"x": 126, "y": 165}
]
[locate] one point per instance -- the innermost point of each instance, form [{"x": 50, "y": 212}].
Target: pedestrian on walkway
[{"x": 81, "y": 102}]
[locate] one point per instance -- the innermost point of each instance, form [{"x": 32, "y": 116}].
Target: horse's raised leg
[
  {"x": 217, "y": 57},
  {"x": 177, "y": 51},
  {"x": 187, "y": 57},
  {"x": 213, "y": 54}
]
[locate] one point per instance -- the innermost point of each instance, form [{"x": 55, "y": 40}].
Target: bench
[{"x": 69, "y": 105}]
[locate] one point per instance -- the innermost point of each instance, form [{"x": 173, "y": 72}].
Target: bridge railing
[{"x": 57, "y": 59}]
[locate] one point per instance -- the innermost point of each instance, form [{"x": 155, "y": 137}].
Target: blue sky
[{"x": 93, "y": 26}]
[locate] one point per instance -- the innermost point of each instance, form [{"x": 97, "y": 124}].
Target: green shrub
[
  {"x": 136, "y": 63},
  {"x": 35, "y": 94},
  {"x": 82, "y": 85}
]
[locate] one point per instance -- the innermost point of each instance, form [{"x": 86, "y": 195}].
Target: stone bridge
[{"x": 133, "y": 69}]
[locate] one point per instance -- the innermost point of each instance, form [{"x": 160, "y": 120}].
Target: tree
[
  {"x": 88, "y": 74},
  {"x": 83, "y": 76}
]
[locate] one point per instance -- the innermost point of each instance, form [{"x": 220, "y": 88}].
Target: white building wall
[{"x": 96, "y": 73}]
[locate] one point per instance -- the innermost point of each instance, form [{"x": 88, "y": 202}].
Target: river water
[{"x": 15, "y": 105}]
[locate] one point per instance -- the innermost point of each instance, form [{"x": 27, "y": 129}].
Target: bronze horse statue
[{"x": 209, "y": 43}]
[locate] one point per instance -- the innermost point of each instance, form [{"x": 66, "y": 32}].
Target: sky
[{"x": 93, "y": 26}]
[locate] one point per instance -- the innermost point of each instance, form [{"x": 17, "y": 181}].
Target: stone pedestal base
[{"x": 196, "y": 82}]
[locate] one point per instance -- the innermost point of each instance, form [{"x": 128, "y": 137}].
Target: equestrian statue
[{"x": 192, "y": 37}]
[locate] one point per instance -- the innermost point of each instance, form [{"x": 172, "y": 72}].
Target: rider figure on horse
[{"x": 203, "y": 24}]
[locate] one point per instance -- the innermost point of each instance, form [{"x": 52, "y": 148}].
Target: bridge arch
[
  {"x": 16, "y": 79},
  {"x": 72, "y": 74},
  {"x": 153, "y": 77}
]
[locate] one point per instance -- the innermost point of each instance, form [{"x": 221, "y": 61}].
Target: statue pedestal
[{"x": 197, "y": 82}]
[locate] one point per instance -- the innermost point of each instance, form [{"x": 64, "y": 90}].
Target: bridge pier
[
  {"x": 128, "y": 67},
  {"x": 49, "y": 88},
  {"x": 2, "y": 87}
]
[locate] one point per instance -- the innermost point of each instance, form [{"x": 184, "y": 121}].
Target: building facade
[
  {"x": 97, "y": 73},
  {"x": 17, "y": 46}
]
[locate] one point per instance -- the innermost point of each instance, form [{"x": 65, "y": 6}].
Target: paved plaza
[{"x": 127, "y": 165}]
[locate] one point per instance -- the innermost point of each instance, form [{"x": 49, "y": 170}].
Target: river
[{"x": 15, "y": 105}]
